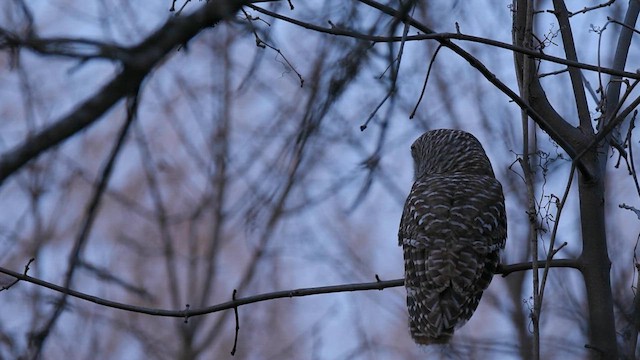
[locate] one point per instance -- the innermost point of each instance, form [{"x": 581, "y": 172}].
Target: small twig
[
  {"x": 287, "y": 61},
  {"x": 623, "y": 24},
  {"x": 26, "y": 269},
  {"x": 557, "y": 72},
  {"x": 557, "y": 250},
  {"x": 186, "y": 313},
  {"x": 182, "y": 7},
  {"x": 259, "y": 42},
  {"x": 235, "y": 312},
  {"x": 363, "y": 127},
  {"x": 587, "y": 9},
  {"x": 263, "y": 44},
  {"x": 631, "y": 208},
  {"x": 506, "y": 270},
  {"x": 426, "y": 79},
  {"x": 630, "y": 162}
]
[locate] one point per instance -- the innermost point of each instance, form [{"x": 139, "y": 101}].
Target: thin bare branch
[
  {"x": 623, "y": 25},
  {"x": 26, "y": 270},
  {"x": 505, "y": 270},
  {"x": 447, "y": 36},
  {"x": 586, "y": 9},
  {"x": 235, "y": 312},
  {"x": 426, "y": 79}
]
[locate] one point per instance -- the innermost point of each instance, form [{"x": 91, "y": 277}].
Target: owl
[{"x": 452, "y": 230}]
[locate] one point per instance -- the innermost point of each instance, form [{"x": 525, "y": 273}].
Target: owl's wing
[{"x": 465, "y": 208}]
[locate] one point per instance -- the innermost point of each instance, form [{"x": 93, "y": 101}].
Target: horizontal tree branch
[
  {"x": 188, "y": 312},
  {"x": 85, "y": 49},
  {"x": 447, "y": 36},
  {"x": 505, "y": 270}
]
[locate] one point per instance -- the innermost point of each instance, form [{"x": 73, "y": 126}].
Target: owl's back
[{"x": 452, "y": 230}]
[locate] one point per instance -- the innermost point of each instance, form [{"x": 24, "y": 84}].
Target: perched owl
[{"x": 452, "y": 230}]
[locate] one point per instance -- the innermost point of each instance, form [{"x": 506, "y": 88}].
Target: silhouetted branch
[
  {"x": 446, "y": 36},
  {"x": 505, "y": 270},
  {"x": 235, "y": 312},
  {"x": 187, "y": 313},
  {"x": 426, "y": 79},
  {"x": 586, "y": 9},
  {"x": 26, "y": 269}
]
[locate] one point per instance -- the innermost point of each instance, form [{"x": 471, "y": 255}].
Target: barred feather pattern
[{"x": 452, "y": 230}]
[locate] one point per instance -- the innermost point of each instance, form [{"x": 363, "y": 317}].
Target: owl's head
[{"x": 447, "y": 151}]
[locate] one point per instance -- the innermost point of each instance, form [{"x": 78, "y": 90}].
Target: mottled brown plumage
[{"x": 452, "y": 230}]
